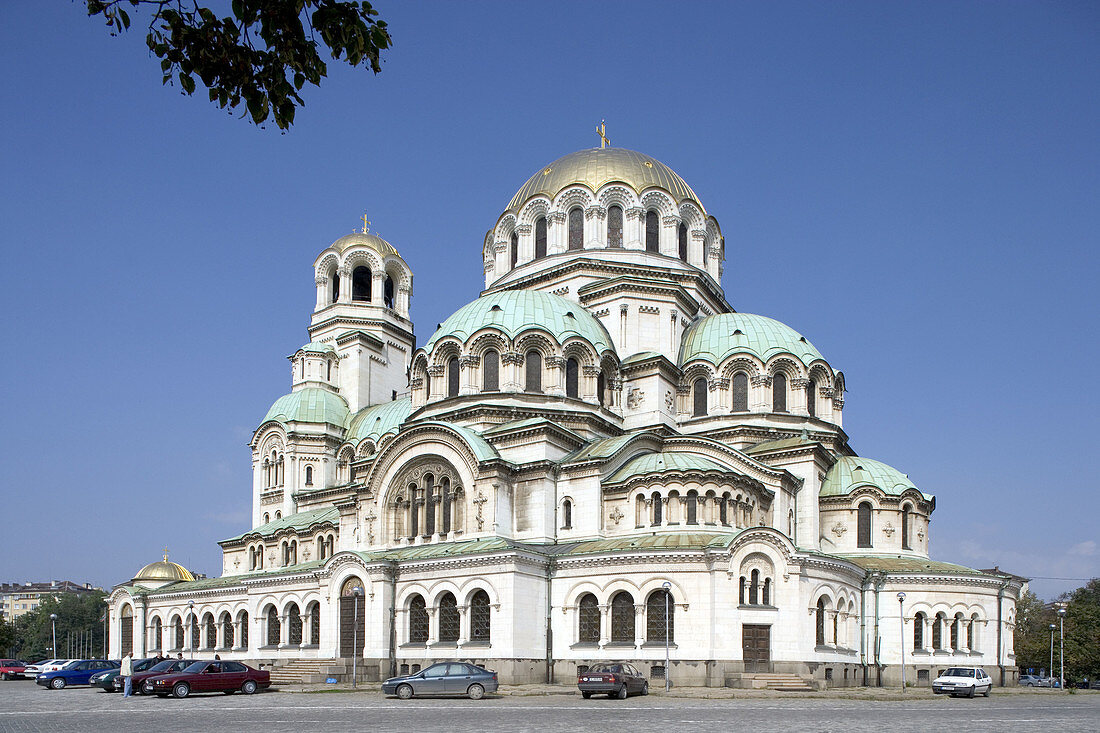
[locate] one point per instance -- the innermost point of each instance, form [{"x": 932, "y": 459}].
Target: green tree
[
  {"x": 78, "y": 616},
  {"x": 1082, "y": 631},
  {"x": 7, "y": 638},
  {"x": 262, "y": 54},
  {"x": 1032, "y": 635}
]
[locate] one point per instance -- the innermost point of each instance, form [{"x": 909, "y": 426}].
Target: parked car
[
  {"x": 1033, "y": 680},
  {"x": 615, "y": 679},
  {"x": 969, "y": 681},
  {"x": 12, "y": 669},
  {"x": 105, "y": 680},
  {"x": 76, "y": 672},
  {"x": 216, "y": 676},
  {"x": 445, "y": 678},
  {"x": 46, "y": 665},
  {"x": 141, "y": 680}
]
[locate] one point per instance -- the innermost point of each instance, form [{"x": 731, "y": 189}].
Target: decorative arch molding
[
  {"x": 618, "y": 195},
  {"x": 264, "y": 434},
  {"x": 820, "y": 372},
  {"x": 328, "y": 266},
  {"x": 533, "y": 209},
  {"x": 691, "y": 215},
  {"x": 659, "y": 201},
  {"x": 579, "y": 349},
  {"x": 444, "y": 349},
  {"x": 574, "y": 196},
  {"x": 695, "y": 371},
  {"x": 390, "y": 458},
  {"x": 538, "y": 340},
  {"x": 751, "y": 367},
  {"x": 766, "y": 540},
  {"x": 504, "y": 228},
  {"x": 785, "y": 364},
  {"x": 363, "y": 256}
]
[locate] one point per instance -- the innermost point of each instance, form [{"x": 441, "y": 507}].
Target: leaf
[{"x": 187, "y": 83}]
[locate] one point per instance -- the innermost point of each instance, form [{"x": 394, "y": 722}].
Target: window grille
[
  {"x": 418, "y": 620},
  {"x": 274, "y": 628},
  {"x": 614, "y": 227},
  {"x": 622, "y": 617},
  {"x": 652, "y": 232},
  {"x": 659, "y": 611},
  {"x": 863, "y": 525},
  {"x": 572, "y": 378},
  {"x": 540, "y": 238},
  {"x": 682, "y": 242},
  {"x": 588, "y": 615},
  {"x": 699, "y": 393},
  {"x": 779, "y": 393},
  {"x": 740, "y": 392},
  {"x": 452, "y": 377},
  {"x": 294, "y": 631},
  {"x": 479, "y": 617},
  {"x": 490, "y": 371},
  {"x": 533, "y": 361},
  {"x": 448, "y": 618},
  {"x": 576, "y": 229}
]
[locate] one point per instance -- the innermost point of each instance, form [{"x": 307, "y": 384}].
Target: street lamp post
[
  {"x": 355, "y": 593},
  {"x": 191, "y": 628},
  {"x": 668, "y": 596},
  {"x": 901, "y": 612},
  {"x": 1062, "y": 647},
  {"x": 1050, "y": 669},
  {"x": 53, "y": 625}
]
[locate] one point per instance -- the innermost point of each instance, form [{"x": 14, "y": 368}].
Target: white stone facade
[{"x": 595, "y": 456}]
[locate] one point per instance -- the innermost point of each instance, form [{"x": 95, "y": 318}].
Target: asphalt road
[{"x": 26, "y": 707}]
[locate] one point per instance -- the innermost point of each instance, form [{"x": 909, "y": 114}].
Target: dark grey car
[{"x": 445, "y": 678}]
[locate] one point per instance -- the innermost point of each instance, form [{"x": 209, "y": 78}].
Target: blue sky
[{"x": 913, "y": 186}]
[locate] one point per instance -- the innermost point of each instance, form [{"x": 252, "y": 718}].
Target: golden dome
[
  {"x": 599, "y": 166},
  {"x": 163, "y": 571},
  {"x": 372, "y": 241}
]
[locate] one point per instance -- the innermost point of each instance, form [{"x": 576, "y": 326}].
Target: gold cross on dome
[
  {"x": 601, "y": 130},
  {"x": 366, "y": 224},
  {"x": 166, "y": 553}
]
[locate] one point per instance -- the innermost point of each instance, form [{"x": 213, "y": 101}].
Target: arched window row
[
  {"x": 648, "y": 226},
  {"x": 836, "y": 624},
  {"x": 289, "y": 551},
  {"x": 273, "y": 465},
  {"x": 573, "y": 371},
  {"x": 356, "y": 278},
  {"x": 742, "y": 391},
  {"x": 615, "y": 622},
  {"x": 664, "y": 507},
  {"x": 430, "y": 505},
  {"x": 468, "y": 625},
  {"x": 755, "y": 589},
  {"x": 943, "y": 631}
]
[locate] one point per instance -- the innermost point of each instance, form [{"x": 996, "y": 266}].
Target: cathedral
[{"x": 598, "y": 458}]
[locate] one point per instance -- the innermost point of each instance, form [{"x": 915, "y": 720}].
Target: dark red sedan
[
  {"x": 140, "y": 682},
  {"x": 215, "y": 676}
]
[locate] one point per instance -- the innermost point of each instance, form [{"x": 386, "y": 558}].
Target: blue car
[{"x": 76, "y": 672}]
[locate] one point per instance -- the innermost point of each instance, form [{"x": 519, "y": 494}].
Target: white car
[
  {"x": 969, "y": 681},
  {"x": 49, "y": 665}
]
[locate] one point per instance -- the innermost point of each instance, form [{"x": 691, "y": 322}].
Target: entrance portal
[
  {"x": 351, "y": 606},
  {"x": 756, "y": 647}
]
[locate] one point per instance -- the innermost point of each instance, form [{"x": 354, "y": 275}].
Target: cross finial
[
  {"x": 166, "y": 553},
  {"x": 601, "y": 130},
  {"x": 366, "y": 224}
]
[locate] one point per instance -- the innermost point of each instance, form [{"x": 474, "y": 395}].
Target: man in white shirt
[{"x": 127, "y": 674}]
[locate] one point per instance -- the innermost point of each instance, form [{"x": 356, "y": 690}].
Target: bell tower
[{"x": 364, "y": 288}]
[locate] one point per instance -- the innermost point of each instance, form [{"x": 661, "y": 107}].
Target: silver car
[
  {"x": 445, "y": 678},
  {"x": 968, "y": 681}
]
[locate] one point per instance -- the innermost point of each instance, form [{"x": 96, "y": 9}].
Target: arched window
[
  {"x": 754, "y": 588},
  {"x": 227, "y": 630},
  {"x": 480, "y": 621},
  {"x": 657, "y": 506},
  {"x": 699, "y": 397},
  {"x": 956, "y": 623},
  {"x": 177, "y": 632},
  {"x": 274, "y": 627},
  {"x": 242, "y": 623},
  {"x": 267, "y": 517},
  {"x": 622, "y": 617},
  {"x": 567, "y": 514},
  {"x": 682, "y": 241},
  {"x": 740, "y": 387},
  {"x": 194, "y": 632},
  {"x": 387, "y": 293},
  {"x": 819, "y": 618},
  {"x": 918, "y": 631},
  {"x": 660, "y": 619},
  {"x": 533, "y": 363},
  {"x": 294, "y": 622},
  {"x": 158, "y": 634},
  {"x": 588, "y": 620},
  {"x": 576, "y": 228},
  {"x": 766, "y": 592},
  {"x": 490, "y": 371},
  {"x": 513, "y": 249},
  {"x": 863, "y": 525},
  {"x": 447, "y": 499},
  {"x": 313, "y": 611},
  {"x": 905, "y": 527},
  {"x": 448, "y": 618},
  {"x": 572, "y": 378},
  {"x": 652, "y": 232},
  {"x": 309, "y": 475},
  {"x": 360, "y": 283},
  {"x": 693, "y": 507},
  {"x": 937, "y": 631},
  {"x": 741, "y": 590},
  {"x": 335, "y": 287},
  {"x": 779, "y": 392},
  {"x": 209, "y": 631},
  {"x": 452, "y": 377},
  {"x": 601, "y": 387},
  {"x": 811, "y": 398},
  {"x": 418, "y": 620},
  {"x": 614, "y": 227},
  {"x": 278, "y": 515},
  {"x": 414, "y": 512},
  {"x": 540, "y": 237},
  {"x": 429, "y": 504},
  {"x": 973, "y": 635}
]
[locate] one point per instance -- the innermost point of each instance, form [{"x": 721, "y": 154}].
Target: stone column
[
  {"x": 322, "y": 291},
  {"x": 526, "y": 244},
  {"x": 463, "y": 624},
  {"x": 634, "y": 228},
  {"x": 345, "y": 285},
  {"x": 556, "y": 232},
  {"x": 760, "y": 400},
  {"x": 433, "y": 627},
  {"x": 590, "y": 383},
  {"x": 669, "y": 244},
  {"x": 512, "y": 365},
  {"x": 639, "y": 624},
  {"x": 554, "y": 376},
  {"x": 595, "y": 229},
  {"x": 377, "y": 287},
  {"x": 798, "y": 404},
  {"x": 605, "y": 625},
  {"x": 436, "y": 375},
  {"x": 469, "y": 364},
  {"x": 697, "y": 243}
]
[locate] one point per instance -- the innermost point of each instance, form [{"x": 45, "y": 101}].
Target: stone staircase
[
  {"x": 303, "y": 671},
  {"x": 781, "y": 682}
]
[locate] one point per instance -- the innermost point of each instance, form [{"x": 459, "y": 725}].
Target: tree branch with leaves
[{"x": 262, "y": 55}]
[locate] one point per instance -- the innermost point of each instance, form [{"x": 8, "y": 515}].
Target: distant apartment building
[{"x": 17, "y": 599}]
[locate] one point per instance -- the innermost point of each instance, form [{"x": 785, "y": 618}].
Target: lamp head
[
  {"x": 901, "y": 597},
  {"x": 1062, "y": 612},
  {"x": 1052, "y": 627},
  {"x": 190, "y": 604},
  {"x": 53, "y": 617},
  {"x": 666, "y": 585},
  {"x": 357, "y": 591}
]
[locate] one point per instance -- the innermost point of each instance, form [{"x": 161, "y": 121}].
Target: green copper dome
[
  {"x": 851, "y": 472},
  {"x": 311, "y": 404},
  {"x": 316, "y": 347},
  {"x": 716, "y": 337},
  {"x": 650, "y": 463},
  {"x": 377, "y": 420},
  {"x": 515, "y": 311}
]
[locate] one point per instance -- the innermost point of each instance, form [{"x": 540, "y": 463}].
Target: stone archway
[{"x": 352, "y": 641}]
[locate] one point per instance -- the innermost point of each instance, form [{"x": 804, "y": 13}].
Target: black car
[
  {"x": 446, "y": 678},
  {"x": 615, "y": 679}
]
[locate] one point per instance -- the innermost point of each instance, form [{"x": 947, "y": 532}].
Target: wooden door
[
  {"x": 756, "y": 647},
  {"x": 351, "y": 640}
]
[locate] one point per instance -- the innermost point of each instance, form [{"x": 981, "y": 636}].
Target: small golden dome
[
  {"x": 597, "y": 167},
  {"x": 372, "y": 241},
  {"x": 162, "y": 571}
]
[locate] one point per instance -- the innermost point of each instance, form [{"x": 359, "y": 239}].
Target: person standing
[{"x": 127, "y": 674}]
